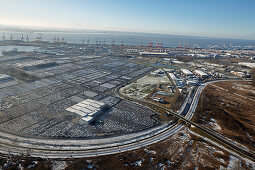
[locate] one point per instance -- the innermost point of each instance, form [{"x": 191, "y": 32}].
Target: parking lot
[{"x": 38, "y": 108}]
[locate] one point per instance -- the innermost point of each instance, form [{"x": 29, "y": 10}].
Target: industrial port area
[{"x": 63, "y": 100}]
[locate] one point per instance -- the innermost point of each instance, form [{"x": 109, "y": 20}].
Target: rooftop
[
  {"x": 88, "y": 109},
  {"x": 251, "y": 65},
  {"x": 201, "y": 73},
  {"x": 186, "y": 71}
]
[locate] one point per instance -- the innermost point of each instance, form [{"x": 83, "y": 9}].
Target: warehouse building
[
  {"x": 200, "y": 73},
  {"x": 172, "y": 76},
  {"x": 238, "y": 73},
  {"x": 251, "y": 65},
  {"x": 88, "y": 109},
  {"x": 186, "y": 72},
  {"x": 152, "y": 54}
]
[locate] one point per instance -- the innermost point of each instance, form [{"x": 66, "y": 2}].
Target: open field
[{"x": 228, "y": 108}]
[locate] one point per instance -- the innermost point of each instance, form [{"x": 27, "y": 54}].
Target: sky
[{"x": 210, "y": 18}]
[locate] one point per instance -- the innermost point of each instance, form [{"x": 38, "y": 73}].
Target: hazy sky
[{"x": 217, "y": 18}]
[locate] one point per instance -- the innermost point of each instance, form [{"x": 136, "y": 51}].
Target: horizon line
[{"x": 73, "y": 30}]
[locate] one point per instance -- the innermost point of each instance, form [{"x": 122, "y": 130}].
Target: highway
[
  {"x": 75, "y": 148},
  {"x": 58, "y": 148},
  {"x": 218, "y": 138}
]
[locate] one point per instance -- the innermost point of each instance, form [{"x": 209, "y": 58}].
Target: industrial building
[
  {"x": 173, "y": 77},
  {"x": 251, "y": 65},
  {"x": 88, "y": 109},
  {"x": 132, "y": 51},
  {"x": 200, "y": 73},
  {"x": 186, "y": 72},
  {"x": 238, "y": 73},
  {"x": 146, "y": 53}
]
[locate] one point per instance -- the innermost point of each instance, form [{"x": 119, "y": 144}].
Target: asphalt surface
[{"x": 57, "y": 148}]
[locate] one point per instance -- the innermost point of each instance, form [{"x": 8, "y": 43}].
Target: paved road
[
  {"x": 54, "y": 148},
  {"x": 216, "y": 136}
]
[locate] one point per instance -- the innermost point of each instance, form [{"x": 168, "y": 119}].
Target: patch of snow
[
  {"x": 137, "y": 163},
  {"x": 150, "y": 151},
  {"x": 161, "y": 166},
  {"x": 234, "y": 162},
  {"x": 214, "y": 124},
  {"x": 32, "y": 165},
  {"x": 222, "y": 147},
  {"x": 59, "y": 165},
  {"x": 90, "y": 166},
  {"x": 243, "y": 97},
  {"x": 250, "y": 165},
  {"x": 169, "y": 163},
  {"x": 222, "y": 167},
  {"x": 244, "y": 87},
  {"x": 249, "y": 136},
  {"x": 221, "y": 160},
  {"x": 219, "y": 87},
  {"x": 220, "y": 152}
]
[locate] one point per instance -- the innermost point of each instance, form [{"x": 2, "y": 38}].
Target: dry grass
[
  {"x": 181, "y": 151},
  {"x": 231, "y": 104}
]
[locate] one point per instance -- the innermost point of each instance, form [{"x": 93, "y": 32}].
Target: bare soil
[
  {"x": 181, "y": 151},
  {"x": 232, "y": 106}
]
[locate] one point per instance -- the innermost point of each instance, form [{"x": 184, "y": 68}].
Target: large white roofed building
[
  {"x": 87, "y": 109},
  {"x": 187, "y": 72},
  {"x": 200, "y": 73}
]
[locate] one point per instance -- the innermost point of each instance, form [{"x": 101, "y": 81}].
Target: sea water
[{"x": 128, "y": 38}]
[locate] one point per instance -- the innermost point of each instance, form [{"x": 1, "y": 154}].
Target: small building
[
  {"x": 169, "y": 70},
  {"x": 157, "y": 99},
  {"x": 158, "y": 73},
  {"x": 132, "y": 51},
  {"x": 238, "y": 73},
  {"x": 191, "y": 82}
]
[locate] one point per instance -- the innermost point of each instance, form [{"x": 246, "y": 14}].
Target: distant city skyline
[{"x": 226, "y": 19}]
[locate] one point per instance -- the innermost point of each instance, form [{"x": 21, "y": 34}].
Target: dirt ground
[
  {"x": 229, "y": 108},
  {"x": 181, "y": 151}
]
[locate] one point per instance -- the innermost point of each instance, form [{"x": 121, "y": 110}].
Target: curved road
[{"x": 57, "y": 148}]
